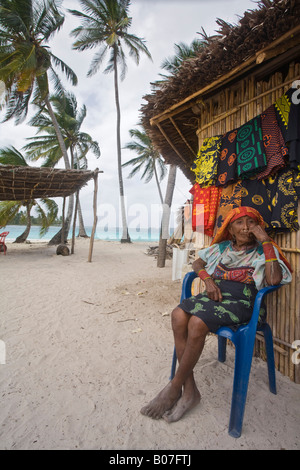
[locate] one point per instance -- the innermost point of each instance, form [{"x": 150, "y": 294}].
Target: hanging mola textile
[
  {"x": 230, "y": 199},
  {"x": 227, "y": 171},
  {"x": 204, "y": 209},
  {"x": 206, "y": 164},
  {"x": 275, "y": 198},
  {"x": 275, "y": 149},
  {"x": 251, "y": 157},
  {"x": 287, "y": 109}
]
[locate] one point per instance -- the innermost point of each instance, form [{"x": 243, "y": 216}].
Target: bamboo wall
[{"x": 230, "y": 109}]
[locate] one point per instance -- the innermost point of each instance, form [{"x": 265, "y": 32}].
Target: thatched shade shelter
[
  {"x": 24, "y": 183},
  {"x": 240, "y": 72},
  {"x": 18, "y": 183}
]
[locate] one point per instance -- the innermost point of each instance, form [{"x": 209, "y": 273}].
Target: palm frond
[
  {"x": 8, "y": 209},
  {"x": 11, "y": 156}
]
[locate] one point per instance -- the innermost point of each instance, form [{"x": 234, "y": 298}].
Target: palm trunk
[
  {"x": 157, "y": 182},
  {"x": 56, "y": 239},
  {"x": 162, "y": 248},
  {"x": 125, "y": 235},
  {"x": 58, "y": 134},
  {"x": 23, "y": 237},
  {"x": 82, "y": 232}
]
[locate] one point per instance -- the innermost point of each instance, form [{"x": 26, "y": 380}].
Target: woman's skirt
[{"x": 233, "y": 311}]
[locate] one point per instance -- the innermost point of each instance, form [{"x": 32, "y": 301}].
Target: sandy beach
[{"x": 88, "y": 344}]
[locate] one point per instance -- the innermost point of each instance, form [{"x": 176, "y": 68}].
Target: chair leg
[
  {"x": 270, "y": 356},
  {"x": 222, "y": 342},
  {"x": 243, "y": 360}
]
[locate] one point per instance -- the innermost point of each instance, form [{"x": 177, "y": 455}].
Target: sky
[{"x": 162, "y": 24}]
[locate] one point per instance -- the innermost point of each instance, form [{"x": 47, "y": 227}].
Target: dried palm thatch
[
  {"x": 265, "y": 38},
  {"x": 19, "y": 183}
]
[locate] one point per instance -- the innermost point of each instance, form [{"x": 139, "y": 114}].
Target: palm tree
[
  {"x": 46, "y": 146},
  {"x": 182, "y": 52},
  {"x": 70, "y": 119},
  {"x": 147, "y": 160},
  {"x": 26, "y": 62},
  {"x": 162, "y": 248},
  {"x": 105, "y": 24},
  {"x": 8, "y": 209}
]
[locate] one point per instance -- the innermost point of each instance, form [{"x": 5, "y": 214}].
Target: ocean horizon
[{"x": 112, "y": 234}]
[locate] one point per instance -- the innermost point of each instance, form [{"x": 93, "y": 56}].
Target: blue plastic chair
[{"x": 243, "y": 339}]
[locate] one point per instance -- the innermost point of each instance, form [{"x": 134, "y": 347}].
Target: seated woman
[{"x": 241, "y": 260}]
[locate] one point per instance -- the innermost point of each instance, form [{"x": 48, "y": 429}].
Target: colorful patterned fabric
[
  {"x": 254, "y": 257},
  {"x": 274, "y": 145},
  {"x": 206, "y": 165},
  {"x": 283, "y": 201},
  {"x": 230, "y": 199},
  {"x": 296, "y": 183},
  {"x": 227, "y": 171},
  {"x": 235, "y": 309},
  {"x": 204, "y": 209},
  {"x": 243, "y": 274},
  {"x": 282, "y": 110},
  {"x": 276, "y": 200},
  {"x": 293, "y": 130},
  {"x": 251, "y": 158},
  {"x": 255, "y": 194}
]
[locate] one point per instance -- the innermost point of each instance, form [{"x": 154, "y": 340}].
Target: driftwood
[{"x": 153, "y": 251}]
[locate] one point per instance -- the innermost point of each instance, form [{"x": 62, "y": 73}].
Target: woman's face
[{"x": 241, "y": 229}]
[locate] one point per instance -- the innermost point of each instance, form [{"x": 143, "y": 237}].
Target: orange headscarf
[{"x": 223, "y": 232}]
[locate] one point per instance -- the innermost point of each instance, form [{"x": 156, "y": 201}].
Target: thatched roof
[
  {"x": 265, "y": 38},
  {"x": 20, "y": 183}
]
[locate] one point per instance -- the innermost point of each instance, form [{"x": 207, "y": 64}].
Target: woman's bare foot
[
  {"x": 163, "y": 402},
  {"x": 184, "y": 404}
]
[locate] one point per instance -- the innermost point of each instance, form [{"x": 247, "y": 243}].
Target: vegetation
[
  {"x": 105, "y": 25},
  {"x": 12, "y": 210},
  {"x": 26, "y": 61},
  {"x": 148, "y": 159},
  {"x": 21, "y": 219},
  {"x": 45, "y": 144},
  {"x": 28, "y": 68}
]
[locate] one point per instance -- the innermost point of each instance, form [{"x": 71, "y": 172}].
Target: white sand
[{"x": 88, "y": 344}]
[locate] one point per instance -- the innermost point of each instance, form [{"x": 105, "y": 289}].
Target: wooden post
[
  {"x": 63, "y": 222},
  {"x": 74, "y": 223},
  {"x": 95, "y": 215}
]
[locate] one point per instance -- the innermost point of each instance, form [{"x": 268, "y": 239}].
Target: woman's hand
[
  {"x": 212, "y": 290},
  {"x": 259, "y": 233}
]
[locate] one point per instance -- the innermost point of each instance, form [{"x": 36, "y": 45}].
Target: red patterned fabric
[
  {"x": 241, "y": 274},
  {"x": 205, "y": 205},
  {"x": 275, "y": 148}
]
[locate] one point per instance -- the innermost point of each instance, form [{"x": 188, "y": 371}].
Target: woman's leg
[
  {"x": 197, "y": 331},
  {"x": 189, "y": 335}
]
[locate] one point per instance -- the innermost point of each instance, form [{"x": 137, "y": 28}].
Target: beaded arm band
[
  {"x": 269, "y": 251},
  {"x": 203, "y": 275}
]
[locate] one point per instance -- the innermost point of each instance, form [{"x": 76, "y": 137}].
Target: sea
[{"x": 112, "y": 234}]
